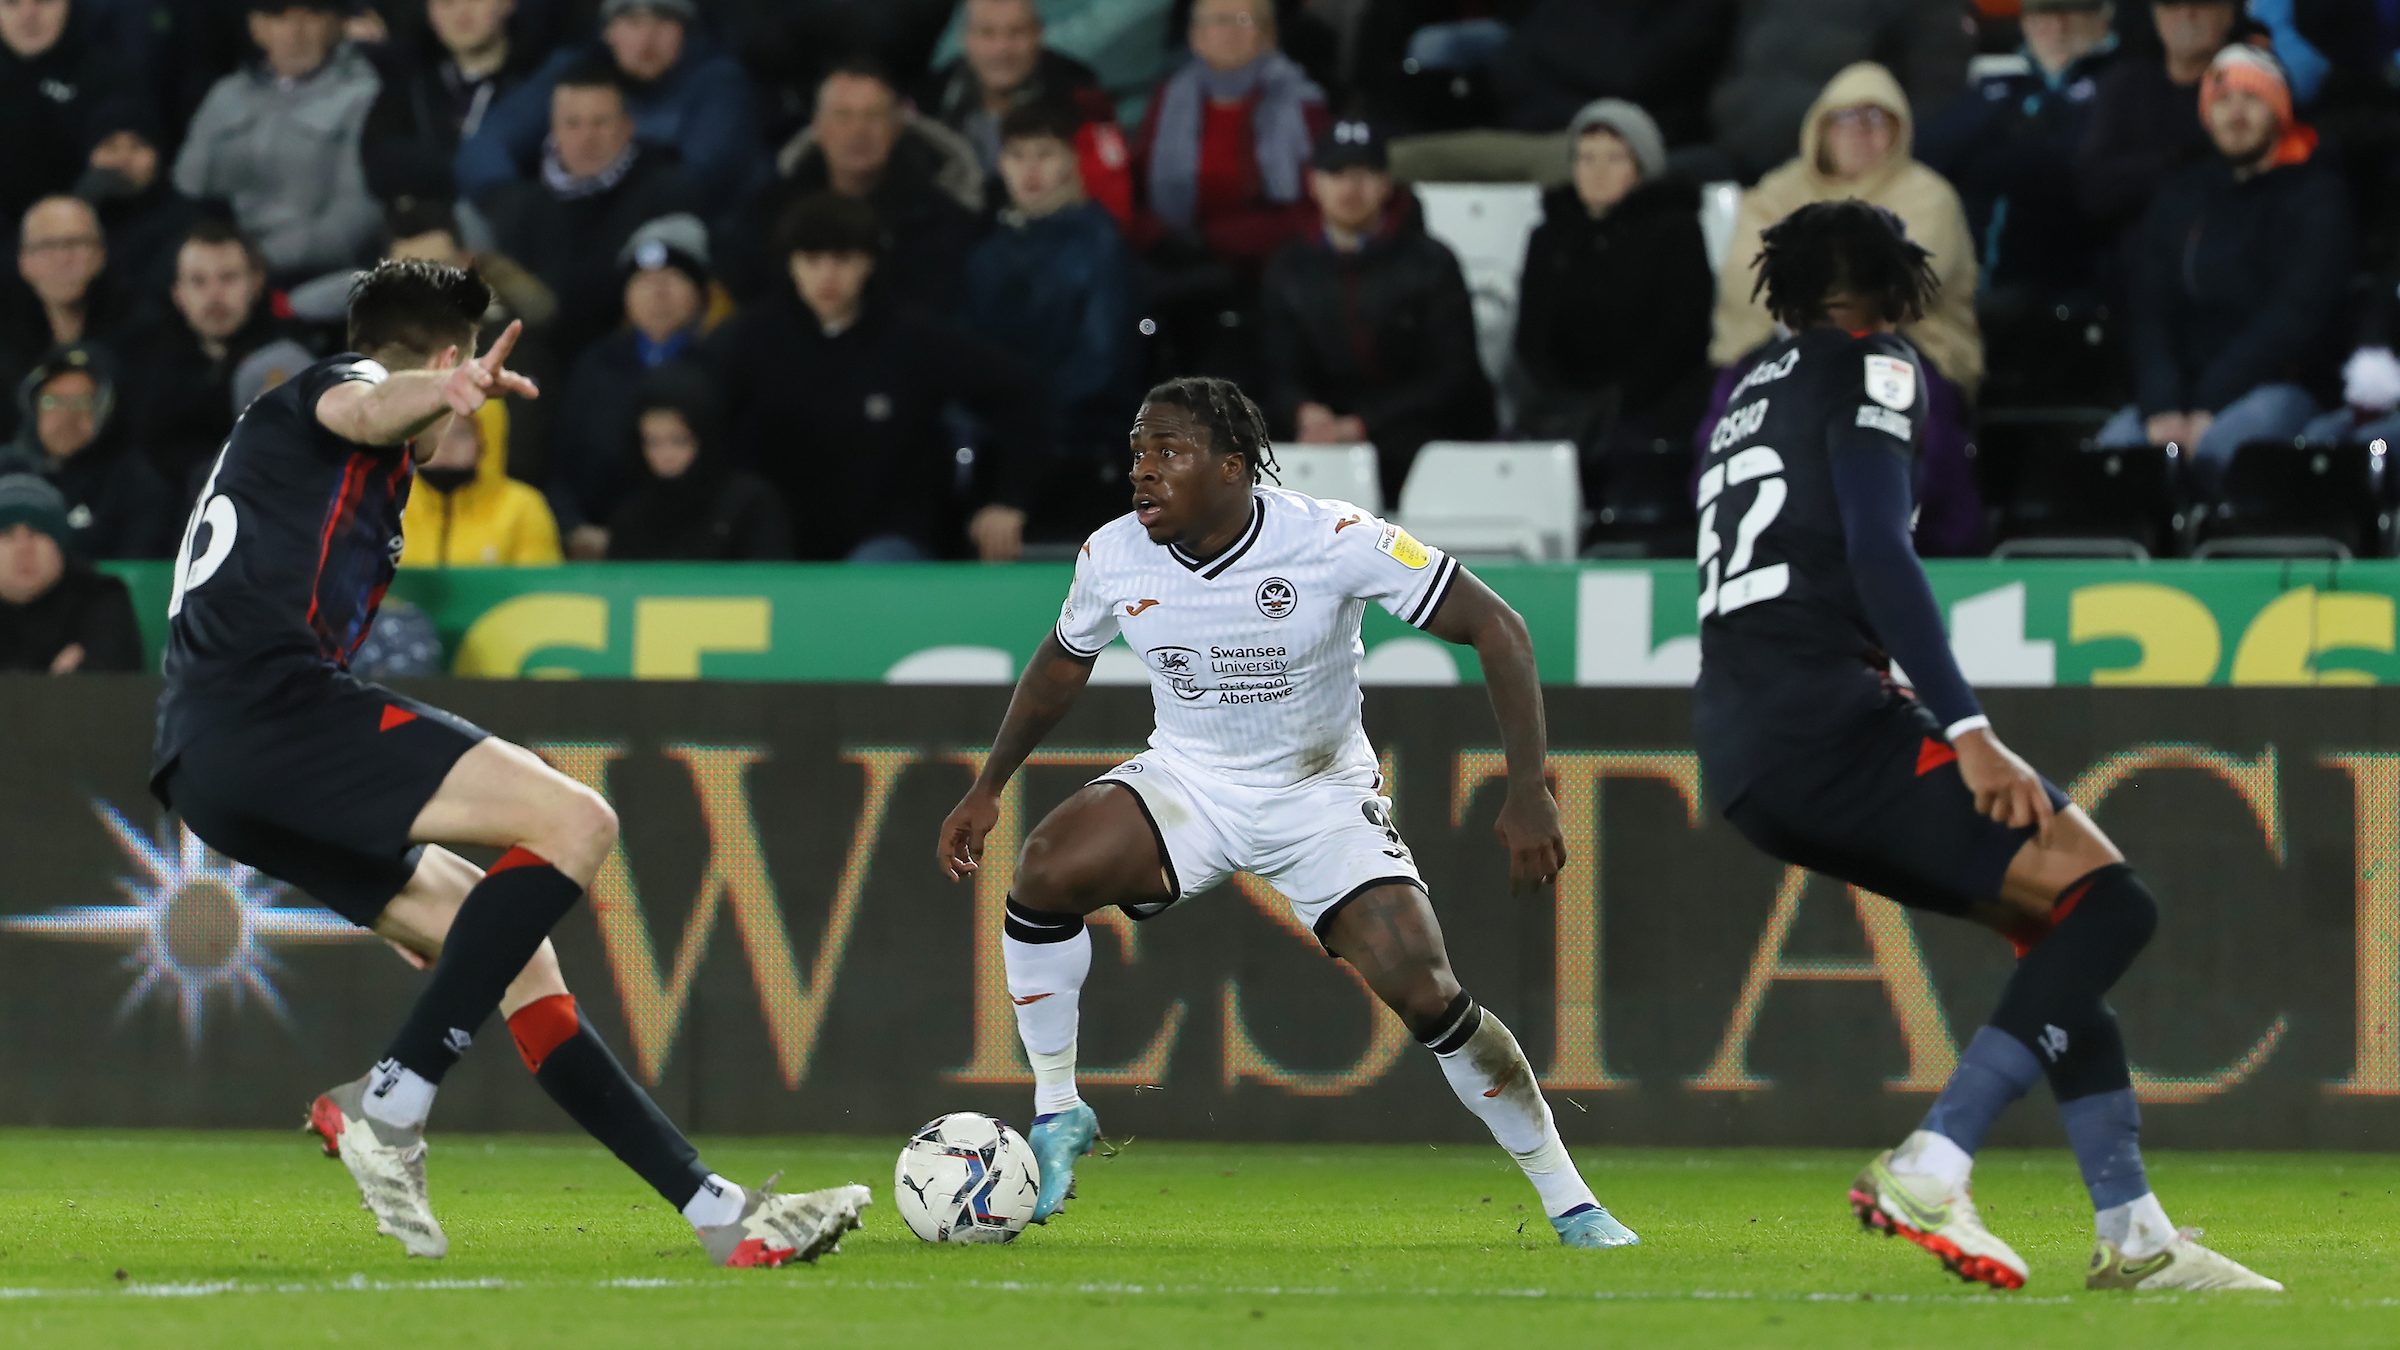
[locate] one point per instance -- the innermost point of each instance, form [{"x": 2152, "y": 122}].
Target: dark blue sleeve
[{"x": 1871, "y": 481}]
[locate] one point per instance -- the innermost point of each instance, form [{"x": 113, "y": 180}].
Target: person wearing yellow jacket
[{"x": 465, "y": 511}]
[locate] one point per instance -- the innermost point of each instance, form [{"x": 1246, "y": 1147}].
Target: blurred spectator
[
  {"x": 920, "y": 177},
  {"x": 1222, "y": 154},
  {"x": 116, "y": 504},
  {"x": 837, "y": 397},
  {"x": 1055, "y": 284},
  {"x": 2146, "y": 115},
  {"x": 1784, "y": 51},
  {"x": 679, "y": 88},
  {"x": 1621, "y": 239},
  {"x": 57, "y": 615},
  {"x": 1004, "y": 66},
  {"x": 1660, "y": 54},
  {"x": 1855, "y": 142},
  {"x": 52, "y": 78},
  {"x": 2237, "y": 275},
  {"x": 279, "y": 141},
  {"x": 789, "y": 45},
  {"x": 180, "y": 410},
  {"x": 2370, "y": 408},
  {"x": 687, "y": 503},
  {"x": 665, "y": 285},
  {"x": 1125, "y": 42},
  {"x": 436, "y": 93},
  {"x": 266, "y": 368},
  {"x": 2008, "y": 145},
  {"x": 1419, "y": 65},
  {"x": 429, "y": 230},
  {"x": 466, "y": 511},
  {"x": 61, "y": 258},
  {"x": 402, "y": 645},
  {"x": 597, "y": 186},
  {"x": 1367, "y": 329},
  {"x": 142, "y": 216}
]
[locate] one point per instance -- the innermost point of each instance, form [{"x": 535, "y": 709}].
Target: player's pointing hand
[{"x": 472, "y": 383}]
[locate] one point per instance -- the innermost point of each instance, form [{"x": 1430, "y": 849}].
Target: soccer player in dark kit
[
  {"x": 1809, "y": 591},
  {"x": 278, "y": 757}
]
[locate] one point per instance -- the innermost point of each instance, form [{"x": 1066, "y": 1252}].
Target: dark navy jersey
[
  {"x": 283, "y": 564},
  {"x": 1789, "y": 660}
]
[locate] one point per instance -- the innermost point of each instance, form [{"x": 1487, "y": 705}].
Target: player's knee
[
  {"x": 584, "y": 828},
  {"x": 1425, "y": 1000},
  {"x": 1048, "y": 882}
]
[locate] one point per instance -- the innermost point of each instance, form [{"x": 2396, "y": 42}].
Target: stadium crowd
[{"x": 884, "y": 279}]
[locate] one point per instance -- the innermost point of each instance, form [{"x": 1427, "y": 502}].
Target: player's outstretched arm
[
  {"x": 1472, "y": 616},
  {"x": 1871, "y": 481},
  {"x": 402, "y": 405},
  {"x": 1051, "y": 682}
]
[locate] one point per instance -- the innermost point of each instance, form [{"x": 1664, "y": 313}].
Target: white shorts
[{"x": 1322, "y": 843}]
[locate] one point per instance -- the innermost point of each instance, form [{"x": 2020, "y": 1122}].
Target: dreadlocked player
[
  {"x": 1807, "y": 581},
  {"x": 1244, "y": 602}
]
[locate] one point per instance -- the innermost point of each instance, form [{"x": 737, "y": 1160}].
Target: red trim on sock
[
  {"x": 542, "y": 1026},
  {"x": 520, "y": 856},
  {"x": 2058, "y": 914}
]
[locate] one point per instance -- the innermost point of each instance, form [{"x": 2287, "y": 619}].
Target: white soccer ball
[{"x": 966, "y": 1178}]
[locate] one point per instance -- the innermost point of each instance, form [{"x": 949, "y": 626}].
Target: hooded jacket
[
  {"x": 288, "y": 161},
  {"x": 2008, "y": 143},
  {"x": 925, "y": 203},
  {"x": 1064, "y": 293},
  {"x": 1785, "y": 50},
  {"x": 711, "y": 512},
  {"x": 2235, "y": 283},
  {"x": 491, "y": 520},
  {"x": 1947, "y": 335},
  {"x": 1386, "y": 334},
  {"x": 117, "y": 506}
]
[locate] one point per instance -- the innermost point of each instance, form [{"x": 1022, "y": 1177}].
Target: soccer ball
[{"x": 966, "y": 1178}]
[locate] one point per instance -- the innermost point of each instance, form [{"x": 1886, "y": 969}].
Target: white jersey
[{"x": 1253, "y": 655}]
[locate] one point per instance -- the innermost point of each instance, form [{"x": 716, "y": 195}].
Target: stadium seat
[
  {"x": 1487, "y": 225},
  {"x": 1644, "y": 503},
  {"x": 1495, "y": 499},
  {"x": 2296, "y": 499},
  {"x": 2053, "y": 495},
  {"x": 1346, "y": 473}
]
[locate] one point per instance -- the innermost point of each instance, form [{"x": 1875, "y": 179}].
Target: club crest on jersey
[
  {"x": 1277, "y": 597},
  {"x": 1891, "y": 382},
  {"x": 1402, "y": 549}
]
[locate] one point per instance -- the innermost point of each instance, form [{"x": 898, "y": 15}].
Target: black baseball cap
[{"x": 1352, "y": 143}]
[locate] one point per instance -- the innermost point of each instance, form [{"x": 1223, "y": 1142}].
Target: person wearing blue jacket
[
  {"x": 1056, "y": 284},
  {"x": 683, "y": 90}
]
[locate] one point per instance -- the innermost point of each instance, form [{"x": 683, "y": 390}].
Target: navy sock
[
  {"x": 2105, "y": 1130},
  {"x": 497, "y": 930},
  {"x": 574, "y": 1066},
  {"x": 1995, "y": 1071}
]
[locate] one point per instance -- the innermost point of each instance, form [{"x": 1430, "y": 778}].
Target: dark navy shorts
[
  {"x": 321, "y": 794},
  {"x": 1886, "y": 810}
]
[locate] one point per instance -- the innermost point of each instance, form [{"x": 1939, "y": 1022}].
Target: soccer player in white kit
[{"x": 1244, "y": 602}]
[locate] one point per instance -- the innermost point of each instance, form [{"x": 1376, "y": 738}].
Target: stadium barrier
[
  {"x": 773, "y": 948},
  {"x": 2013, "y": 624}
]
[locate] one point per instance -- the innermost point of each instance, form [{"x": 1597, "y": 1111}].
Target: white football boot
[
  {"x": 387, "y": 1162},
  {"x": 1942, "y": 1221},
  {"x": 774, "y": 1229},
  {"x": 2183, "y": 1264}
]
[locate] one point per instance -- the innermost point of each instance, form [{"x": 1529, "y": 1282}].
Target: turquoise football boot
[
  {"x": 1592, "y": 1226},
  {"x": 1058, "y": 1139}
]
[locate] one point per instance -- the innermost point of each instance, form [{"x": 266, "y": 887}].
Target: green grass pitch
[{"x": 244, "y": 1240}]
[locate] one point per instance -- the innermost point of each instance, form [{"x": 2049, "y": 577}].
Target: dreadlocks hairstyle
[
  {"x": 417, "y": 306},
  {"x": 1848, "y": 245},
  {"x": 1235, "y": 425}
]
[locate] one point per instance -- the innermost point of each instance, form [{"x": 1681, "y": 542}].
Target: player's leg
[
  {"x": 555, "y": 832},
  {"x": 574, "y": 1065},
  {"x": 1390, "y": 936},
  {"x": 1096, "y": 849}
]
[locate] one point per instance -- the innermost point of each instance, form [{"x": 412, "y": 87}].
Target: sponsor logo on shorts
[{"x": 1277, "y": 598}]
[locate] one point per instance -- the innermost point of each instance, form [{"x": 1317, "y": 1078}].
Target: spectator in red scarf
[{"x": 1222, "y": 153}]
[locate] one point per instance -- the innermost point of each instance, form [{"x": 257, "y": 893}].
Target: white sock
[
  {"x": 718, "y": 1202},
  {"x": 1492, "y": 1077},
  {"x": 1926, "y": 1154},
  {"x": 2140, "y": 1228},
  {"x": 398, "y": 1096},
  {"x": 1045, "y": 982}
]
